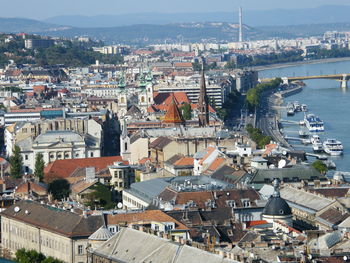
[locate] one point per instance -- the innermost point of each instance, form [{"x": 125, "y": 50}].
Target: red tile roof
[
  {"x": 166, "y": 98},
  {"x": 64, "y": 168},
  {"x": 26, "y": 187},
  {"x": 218, "y": 162},
  {"x": 143, "y": 217},
  {"x": 173, "y": 114},
  {"x": 184, "y": 161},
  {"x": 183, "y": 65}
]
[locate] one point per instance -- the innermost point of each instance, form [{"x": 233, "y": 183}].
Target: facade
[
  {"x": 57, "y": 145},
  {"x": 52, "y": 231},
  {"x": 38, "y": 43},
  {"x": 122, "y": 176}
]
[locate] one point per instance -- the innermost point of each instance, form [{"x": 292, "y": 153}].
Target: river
[{"x": 325, "y": 99}]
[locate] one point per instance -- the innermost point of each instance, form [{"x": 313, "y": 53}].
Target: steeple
[
  {"x": 173, "y": 114},
  {"x": 203, "y": 102}
]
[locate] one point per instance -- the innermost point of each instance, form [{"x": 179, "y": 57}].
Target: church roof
[{"x": 173, "y": 114}]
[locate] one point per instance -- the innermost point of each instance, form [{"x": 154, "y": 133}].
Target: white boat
[
  {"x": 316, "y": 143},
  {"x": 303, "y": 134},
  {"x": 297, "y": 106},
  {"x": 290, "y": 109},
  {"x": 313, "y": 123},
  {"x": 304, "y": 107},
  {"x": 333, "y": 147}
]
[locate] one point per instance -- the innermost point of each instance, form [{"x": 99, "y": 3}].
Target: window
[
  {"x": 80, "y": 250},
  {"x": 26, "y": 157},
  {"x": 126, "y": 146},
  {"x": 91, "y": 154}
]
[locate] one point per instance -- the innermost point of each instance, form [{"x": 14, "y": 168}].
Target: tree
[
  {"x": 320, "y": 167},
  {"x": 32, "y": 256},
  {"x": 101, "y": 196},
  {"x": 16, "y": 163},
  {"x": 59, "y": 188},
  {"x": 39, "y": 166},
  {"x": 186, "y": 111}
]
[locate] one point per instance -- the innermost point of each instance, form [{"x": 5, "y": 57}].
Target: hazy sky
[{"x": 39, "y": 9}]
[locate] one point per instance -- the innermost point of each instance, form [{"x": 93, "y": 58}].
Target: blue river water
[{"x": 324, "y": 98}]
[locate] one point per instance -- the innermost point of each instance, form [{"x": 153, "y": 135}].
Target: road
[{"x": 266, "y": 118}]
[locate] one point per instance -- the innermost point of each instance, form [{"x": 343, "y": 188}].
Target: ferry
[
  {"x": 290, "y": 109},
  {"x": 313, "y": 123},
  {"x": 333, "y": 147},
  {"x": 316, "y": 143}
]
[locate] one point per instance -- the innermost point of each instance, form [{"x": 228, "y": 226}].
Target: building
[
  {"x": 49, "y": 230},
  {"x": 57, "y": 145},
  {"x": 130, "y": 245},
  {"x": 277, "y": 209},
  {"x": 142, "y": 194},
  {"x": 156, "y": 220},
  {"x": 21, "y": 130},
  {"x": 38, "y": 43},
  {"x": 63, "y": 169}
]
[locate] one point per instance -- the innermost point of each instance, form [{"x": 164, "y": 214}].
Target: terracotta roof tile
[
  {"x": 143, "y": 217},
  {"x": 64, "y": 168},
  {"x": 184, "y": 161},
  {"x": 173, "y": 114},
  {"x": 26, "y": 187},
  {"x": 216, "y": 164}
]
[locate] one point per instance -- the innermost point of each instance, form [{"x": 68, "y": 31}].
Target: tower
[
  {"x": 203, "y": 102},
  {"x": 277, "y": 209},
  {"x": 240, "y": 39},
  {"x": 125, "y": 142}
]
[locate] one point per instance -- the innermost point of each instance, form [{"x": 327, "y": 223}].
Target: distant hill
[
  {"x": 275, "y": 17},
  {"x": 16, "y": 25},
  {"x": 146, "y": 34}
]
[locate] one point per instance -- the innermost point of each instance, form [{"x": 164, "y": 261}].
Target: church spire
[
  {"x": 173, "y": 115},
  {"x": 203, "y": 101}
]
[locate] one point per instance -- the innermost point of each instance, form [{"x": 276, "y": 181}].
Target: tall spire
[
  {"x": 240, "y": 38},
  {"x": 203, "y": 101}
]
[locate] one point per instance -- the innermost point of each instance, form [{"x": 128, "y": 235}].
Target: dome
[
  {"x": 276, "y": 206},
  {"x": 102, "y": 234}
]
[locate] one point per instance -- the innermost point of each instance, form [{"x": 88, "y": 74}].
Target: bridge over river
[{"x": 342, "y": 78}]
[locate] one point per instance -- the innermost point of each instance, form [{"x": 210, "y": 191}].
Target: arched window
[{"x": 142, "y": 99}]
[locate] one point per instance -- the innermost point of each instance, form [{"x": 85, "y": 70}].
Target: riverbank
[{"x": 297, "y": 63}]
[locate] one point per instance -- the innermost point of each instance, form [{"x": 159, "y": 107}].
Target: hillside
[
  {"x": 16, "y": 25},
  {"x": 275, "y": 17}
]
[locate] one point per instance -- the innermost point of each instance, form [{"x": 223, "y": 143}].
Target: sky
[{"x": 41, "y": 9}]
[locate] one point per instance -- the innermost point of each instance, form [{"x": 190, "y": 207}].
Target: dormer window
[
  {"x": 246, "y": 203},
  {"x": 231, "y": 203}
]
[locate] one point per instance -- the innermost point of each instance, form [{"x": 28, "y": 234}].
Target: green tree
[
  {"x": 16, "y": 163},
  {"x": 32, "y": 256},
  {"x": 39, "y": 166},
  {"x": 186, "y": 111},
  {"x": 101, "y": 197},
  {"x": 320, "y": 167},
  {"x": 59, "y": 188}
]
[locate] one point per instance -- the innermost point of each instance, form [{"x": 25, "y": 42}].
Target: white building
[{"x": 57, "y": 145}]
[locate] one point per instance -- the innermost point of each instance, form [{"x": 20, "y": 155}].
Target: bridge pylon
[{"x": 344, "y": 82}]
